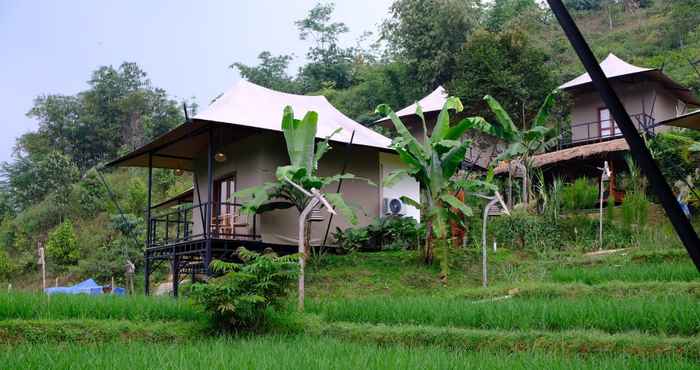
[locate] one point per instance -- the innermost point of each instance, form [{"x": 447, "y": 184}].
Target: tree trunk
[
  {"x": 457, "y": 231},
  {"x": 428, "y": 248}
]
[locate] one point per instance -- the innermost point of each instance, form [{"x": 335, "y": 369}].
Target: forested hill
[{"x": 511, "y": 49}]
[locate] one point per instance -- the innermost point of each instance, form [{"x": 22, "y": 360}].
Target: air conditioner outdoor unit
[{"x": 394, "y": 207}]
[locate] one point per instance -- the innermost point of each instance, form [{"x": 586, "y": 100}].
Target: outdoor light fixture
[
  {"x": 220, "y": 157},
  {"x": 179, "y": 172}
]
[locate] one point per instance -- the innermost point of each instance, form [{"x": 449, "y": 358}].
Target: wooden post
[
  {"x": 176, "y": 274},
  {"x": 600, "y": 222},
  {"x": 42, "y": 262},
  {"x": 147, "y": 267},
  {"x": 208, "y": 207},
  {"x": 302, "y": 248}
]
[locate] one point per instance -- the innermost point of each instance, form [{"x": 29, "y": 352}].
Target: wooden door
[{"x": 223, "y": 193}]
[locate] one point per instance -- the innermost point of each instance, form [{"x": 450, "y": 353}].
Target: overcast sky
[{"x": 51, "y": 47}]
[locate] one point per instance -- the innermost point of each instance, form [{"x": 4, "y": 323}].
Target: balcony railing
[
  {"x": 189, "y": 223},
  {"x": 597, "y": 131}
]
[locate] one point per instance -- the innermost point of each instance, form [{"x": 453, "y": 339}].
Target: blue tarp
[{"x": 88, "y": 286}]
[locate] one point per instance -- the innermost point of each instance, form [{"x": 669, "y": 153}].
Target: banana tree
[
  {"x": 525, "y": 143},
  {"x": 304, "y": 155},
  {"x": 434, "y": 164}
]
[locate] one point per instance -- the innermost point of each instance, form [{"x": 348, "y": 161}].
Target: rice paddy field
[{"x": 634, "y": 309}]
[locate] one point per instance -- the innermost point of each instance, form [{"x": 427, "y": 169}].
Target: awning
[
  {"x": 184, "y": 197},
  {"x": 582, "y": 151},
  {"x": 689, "y": 120}
]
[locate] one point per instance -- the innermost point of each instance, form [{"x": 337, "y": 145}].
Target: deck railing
[
  {"x": 590, "y": 132},
  {"x": 190, "y": 223}
]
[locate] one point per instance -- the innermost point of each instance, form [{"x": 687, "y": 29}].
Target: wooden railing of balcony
[
  {"x": 590, "y": 132},
  {"x": 178, "y": 225}
]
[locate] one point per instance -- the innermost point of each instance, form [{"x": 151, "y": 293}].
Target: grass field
[
  {"x": 637, "y": 309},
  {"x": 106, "y": 307},
  {"x": 659, "y": 315},
  {"x": 295, "y": 352}
]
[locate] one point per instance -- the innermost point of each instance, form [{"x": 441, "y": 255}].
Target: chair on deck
[{"x": 225, "y": 225}]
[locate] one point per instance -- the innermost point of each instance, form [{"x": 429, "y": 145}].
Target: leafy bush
[
  {"x": 5, "y": 265},
  {"x": 352, "y": 239},
  {"x": 240, "y": 298},
  {"x": 384, "y": 233},
  {"x": 61, "y": 246},
  {"x": 635, "y": 210},
  {"x": 582, "y": 194},
  {"x": 526, "y": 231}
]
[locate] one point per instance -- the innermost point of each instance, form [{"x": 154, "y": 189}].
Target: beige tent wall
[
  {"x": 255, "y": 160},
  {"x": 637, "y": 98},
  {"x": 251, "y": 159}
]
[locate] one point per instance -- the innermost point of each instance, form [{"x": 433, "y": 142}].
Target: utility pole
[{"x": 638, "y": 148}]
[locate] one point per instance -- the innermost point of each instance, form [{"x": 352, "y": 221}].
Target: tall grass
[
  {"x": 613, "y": 289},
  {"x": 676, "y": 315},
  {"x": 39, "y": 306},
  {"x": 304, "y": 353},
  {"x": 627, "y": 272}
]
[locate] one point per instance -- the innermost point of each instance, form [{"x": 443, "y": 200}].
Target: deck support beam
[
  {"x": 147, "y": 269},
  {"x": 638, "y": 148},
  {"x": 176, "y": 274},
  {"x": 209, "y": 207}
]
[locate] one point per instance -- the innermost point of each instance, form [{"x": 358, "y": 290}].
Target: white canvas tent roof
[
  {"x": 247, "y": 104},
  {"x": 246, "y": 108},
  {"x": 614, "y": 67},
  {"x": 430, "y": 103}
]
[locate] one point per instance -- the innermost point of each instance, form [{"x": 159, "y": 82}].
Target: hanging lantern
[
  {"x": 220, "y": 157},
  {"x": 179, "y": 172}
]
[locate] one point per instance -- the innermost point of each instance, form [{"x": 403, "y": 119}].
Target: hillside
[{"x": 52, "y": 180}]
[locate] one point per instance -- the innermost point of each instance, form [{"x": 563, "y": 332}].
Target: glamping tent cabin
[
  {"x": 237, "y": 143},
  {"x": 649, "y": 96},
  {"x": 653, "y": 100},
  {"x": 480, "y": 153}
]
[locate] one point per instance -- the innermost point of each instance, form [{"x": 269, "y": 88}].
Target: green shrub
[
  {"x": 527, "y": 231},
  {"x": 240, "y": 298},
  {"x": 610, "y": 210},
  {"x": 582, "y": 194},
  {"x": 61, "y": 246},
  {"x": 635, "y": 210},
  {"x": 352, "y": 239},
  {"x": 385, "y": 233},
  {"x": 5, "y": 265}
]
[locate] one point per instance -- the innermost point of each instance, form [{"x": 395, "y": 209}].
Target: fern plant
[{"x": 240, "y": 298}]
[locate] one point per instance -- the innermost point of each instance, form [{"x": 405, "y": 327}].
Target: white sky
[{"x": 51, "y": 47}]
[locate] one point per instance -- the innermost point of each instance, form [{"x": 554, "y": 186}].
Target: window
[{"x": 608, "y": 126}]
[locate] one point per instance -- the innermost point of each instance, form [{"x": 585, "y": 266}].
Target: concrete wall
[{"x": 637, "y": 98}]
